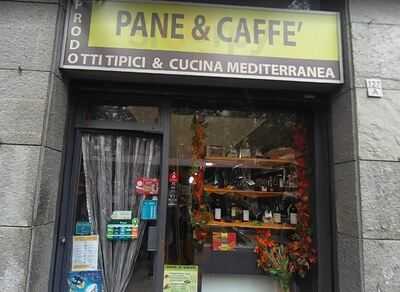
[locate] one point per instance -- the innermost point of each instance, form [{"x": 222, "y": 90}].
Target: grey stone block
[
  {"x": 378, "y": 126},
  {"x": 18, "y": 172},
  {"x": 27, "y": 35},
  {"x": 14, "y": 253},
  {"x": 375, "y": 50},
  {"x": 59, "y": 38},
  {"x": 382, "y": 265},
  {"x": 57, "y": 115},
  {"x": 41, "y": 254},
  {"x": 45, "y": 207},
  {"x": 372, "y": 11},
  {"x": 347, "y": 199},
  {"x": 380, "y": 199},
  {"x": 21, "y": 120},
  {"x": 27, "y": 84},
  {"x": 349, "y": 261},
  {"x": 343, "y": 127}
]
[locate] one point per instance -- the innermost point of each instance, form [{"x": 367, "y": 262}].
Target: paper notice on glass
[
  {"x": 85, "y": 251},
  {"x": 180, "y": 278}
]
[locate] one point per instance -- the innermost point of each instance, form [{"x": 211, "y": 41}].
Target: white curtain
[{"x": 112, "y": 165}]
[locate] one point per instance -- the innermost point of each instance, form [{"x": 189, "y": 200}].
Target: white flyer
[{"x": 85, "y": 251}]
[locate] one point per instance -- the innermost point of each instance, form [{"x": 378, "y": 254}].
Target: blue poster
[{"x": 90, "y": 281}]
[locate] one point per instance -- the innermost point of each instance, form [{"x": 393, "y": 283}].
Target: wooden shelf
[
  {"x": 244, "y": 193},
  {"x": 251, "y": 225},
  {"x": 246, "y": 162}
]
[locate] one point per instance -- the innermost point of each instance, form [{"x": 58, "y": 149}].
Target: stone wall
[
  {"x": 366, "y": 146},
  {"x": 33, "y": 104},
  {"x": 375, "y": 27}
]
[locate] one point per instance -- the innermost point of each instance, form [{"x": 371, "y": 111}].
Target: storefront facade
[{"x": 226, "y": 154}]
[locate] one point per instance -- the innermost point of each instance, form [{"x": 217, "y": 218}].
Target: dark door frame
[{"x": 72, "y": 163}]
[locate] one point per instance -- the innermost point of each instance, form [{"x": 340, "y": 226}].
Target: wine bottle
[
  {"x": 270, "y": 184},
  {"x": 227, "y": 210},
  {"x": 234, "y": 211},
  {"x": 277, "y": 213},
  {"x": 293, "y": 214},
  {"x": 280, "y": 179},
  {"x": 245, "y": 150},
  {"x": 246, "y": 214},
  {"x": 267, "y": 217},
  {"x": 217, "y": 210},
  {"x": 284, "y": 213},
  {"x": 232, "y": 152}
]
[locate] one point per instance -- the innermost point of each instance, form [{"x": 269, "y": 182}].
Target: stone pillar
[
  {"x": 366, "y": 140},
  {"x": 375, "y": 30},
  {"x": 33, "y": 107}
]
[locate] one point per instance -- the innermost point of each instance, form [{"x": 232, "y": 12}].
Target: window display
[{"x": 243, "y": 193}]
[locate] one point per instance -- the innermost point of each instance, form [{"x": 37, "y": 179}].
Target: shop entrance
[
  {"x": 117, "y": 199},
  {"x": 112, "y": 211},
  {"x": 218, "y": 184}
]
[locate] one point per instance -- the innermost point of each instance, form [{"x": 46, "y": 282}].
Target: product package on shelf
[{"x": 223, "y": 241}]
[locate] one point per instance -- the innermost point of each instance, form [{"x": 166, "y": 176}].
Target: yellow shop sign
[{"x": 206, "y": 40}]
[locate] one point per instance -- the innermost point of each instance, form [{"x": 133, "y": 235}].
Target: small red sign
[
  {"x": 148, "y": 186},
  {"x": 173, "y": 177}
]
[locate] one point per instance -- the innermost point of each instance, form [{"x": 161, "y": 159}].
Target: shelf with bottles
[
  {"x": 247, "y": 162},
  {"x": 251, "y": 225},
  {"x": 246, "y": 193}
]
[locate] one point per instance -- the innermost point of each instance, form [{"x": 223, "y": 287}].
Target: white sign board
[
  {"x": 374, "y": 87},
  {"x": 85, "y": 251}
]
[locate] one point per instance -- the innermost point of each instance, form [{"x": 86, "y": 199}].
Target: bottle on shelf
[
  {"x": 284, "y": 212},
  {"x": 227, "y": 211},
  {"x": 245, "y": 151},
  {"x": 293, "y": 214},
  {"x": 219, "y": 180},
  {"x": 232, "y": 152},
  {"x": 276, "y": 214},
  {"x": 234, "y": 211},
  {"x": 264, "y": 185},
  {"x": 294, "y": 177},
  {"x": 280, "y": 183},
  {"x": 270, "y": 184},
  {"x": 218, "y": 210},
  {"x": 267, "y": 216},
  {"x": 245, "y": 213},
  {"x": 292, "y": 181}
]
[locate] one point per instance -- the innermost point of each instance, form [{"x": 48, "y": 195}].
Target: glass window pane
[
  {"x": 137, "y": 114},
  {"x": 238, "y": 181}
]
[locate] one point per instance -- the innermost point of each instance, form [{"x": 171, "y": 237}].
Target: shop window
[
  {"x": 138, "y": 114},
  {"x": 239, "y": 206}
]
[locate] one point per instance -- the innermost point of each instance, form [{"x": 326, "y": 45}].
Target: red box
[{"x": 223, "y": 241}]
